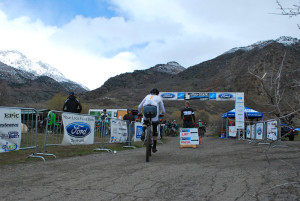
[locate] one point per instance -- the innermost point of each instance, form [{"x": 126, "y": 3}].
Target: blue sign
[
  {"x": 212, "y": 96},
  {"x": 180, "y": 95},
  {"x": 225, "y": 96},
  {"x": 78, "y": 129},
  {"x": 259, "y": 130},
  {"x": 168, "y": 95},
  {"x": 139, "y": 131}
]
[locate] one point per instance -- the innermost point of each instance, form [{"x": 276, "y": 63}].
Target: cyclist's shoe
[
  {"x": 143, "y": 136},
  {"x": 154, "y": 150}
]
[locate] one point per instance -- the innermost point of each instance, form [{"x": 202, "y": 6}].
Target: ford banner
[{"x": 78, "y": 129}]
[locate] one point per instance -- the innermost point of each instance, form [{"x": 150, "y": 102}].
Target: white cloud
[{"x": 91, "y": 50}]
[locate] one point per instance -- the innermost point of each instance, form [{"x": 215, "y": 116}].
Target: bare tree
[
  {"x": 274, "y": 91},
  {"x": 290, "y": 11}
]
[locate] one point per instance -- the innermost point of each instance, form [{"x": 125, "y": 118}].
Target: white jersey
[{"x": 153, "y": 100}]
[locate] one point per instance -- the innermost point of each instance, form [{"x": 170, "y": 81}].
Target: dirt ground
[{"x": 219, "y": 169}]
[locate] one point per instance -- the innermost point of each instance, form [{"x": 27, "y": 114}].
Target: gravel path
[{"x": 219, "y": 169}]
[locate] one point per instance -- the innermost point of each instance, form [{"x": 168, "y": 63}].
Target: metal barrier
[
  {"x": 102, "y": 134},
  {"x": 264, "y": 132},
  {"x": 44, "y": 128}
]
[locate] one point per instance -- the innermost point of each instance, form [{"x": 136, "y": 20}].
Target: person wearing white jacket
[{"x": 155, "y": 100}]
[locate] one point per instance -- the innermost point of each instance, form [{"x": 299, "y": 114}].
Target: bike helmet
[{"x": 154, "y": 91}]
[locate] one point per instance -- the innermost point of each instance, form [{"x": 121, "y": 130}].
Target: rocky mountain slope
[
  {"x": 22, "y": 88},
  {"x": 227, "y": 72}
]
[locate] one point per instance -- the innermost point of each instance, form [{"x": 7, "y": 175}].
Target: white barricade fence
[{"x": 264, "y": 132}]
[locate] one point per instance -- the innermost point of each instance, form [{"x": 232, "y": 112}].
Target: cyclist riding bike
[{"x": 154, "y": 100}]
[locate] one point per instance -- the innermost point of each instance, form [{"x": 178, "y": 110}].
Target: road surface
[{"x": 219, "y": 169}]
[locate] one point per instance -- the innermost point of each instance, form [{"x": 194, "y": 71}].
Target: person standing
[
  {"x": 129, "y": 118},
  {"x": 72, "y": 104},
  {"x": 104, "y": 115},
  {"x": 188, "y": 116}
]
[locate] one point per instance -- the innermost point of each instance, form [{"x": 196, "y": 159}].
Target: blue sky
[
  {"x": 90, "y": 41},
  {"x": 57, "y": 12}
]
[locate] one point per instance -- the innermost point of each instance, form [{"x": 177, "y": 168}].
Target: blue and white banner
[
  {"x": 10, "y": 129},
  {"x": 172, "y": 95},
  {"x": 248, "y": 132},
  {"x": 259, "y": 131},
  {"x": 222, "y": 96},
  {"x": 138, "y": 130},
  {"x": 218, "y": 96},
  {"x": 78, "y": 129}
]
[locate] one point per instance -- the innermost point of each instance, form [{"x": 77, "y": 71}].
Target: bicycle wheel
[{"x": 148, "y": 143}]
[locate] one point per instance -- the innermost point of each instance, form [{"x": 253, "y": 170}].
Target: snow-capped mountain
[
  {"x": 285, "y": 40},
  {"x": 171, "y": 68},
  {"x": 19, "y": 61}
]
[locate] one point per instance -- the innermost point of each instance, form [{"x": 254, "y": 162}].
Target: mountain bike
[{"x": 150, "y": 111}]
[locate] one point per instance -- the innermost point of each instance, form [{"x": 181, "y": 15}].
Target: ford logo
[
  {"x": 168, "y": 95},
  {"x": 78, "y": 129},
  {"x": 259, "y": 131},
  {"x": 225, "y": 96}
]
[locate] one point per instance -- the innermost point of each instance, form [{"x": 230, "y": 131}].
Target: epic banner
[{"x": 10, "y": 129}]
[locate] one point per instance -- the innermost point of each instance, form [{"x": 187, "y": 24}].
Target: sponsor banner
[
  {"x": 218, "y": 96},
  {"x": 189, "y": 136},
  {"x": 239, "y": 115},
  {"x": 240, "y": 125},
  {"x": 239, "y": 98},
  {"x": 221, "y": 96},
  {"x": 172, "y": 95},
  {"x": 272, "y": 132},
  {"x": 248, "y": 132},
  {"x": 259, "y": 131},
  {"x": 253, "y": 131},
  {"x": 118, "y": 131},
  {"x": 10, "y": 129},
  {"x": 232, "y": 131},
  {"x": 225, "y": 96},
  {"x": 78, "y": 129},
  {"x": 196, "y": 96},
  {"x": 138, "y": 130},
  {"x": 169, "y": 95}
]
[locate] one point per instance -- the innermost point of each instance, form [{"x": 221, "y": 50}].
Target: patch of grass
[{"x": 21, "y": 156}]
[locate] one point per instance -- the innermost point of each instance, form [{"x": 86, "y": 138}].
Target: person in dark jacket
[
  {"x": 129, "y": 118},
  {"x": 72, "y": 104},
  {"x": 188, "y": 116}
]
